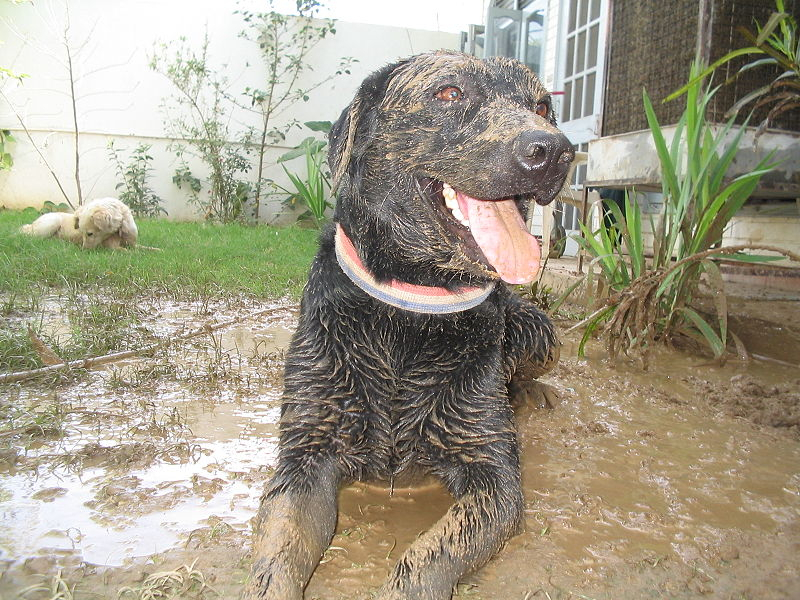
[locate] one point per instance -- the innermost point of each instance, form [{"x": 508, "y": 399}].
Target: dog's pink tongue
[{"x": 499, "y": 230}]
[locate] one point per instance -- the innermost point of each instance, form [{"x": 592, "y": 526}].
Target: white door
[{"x": 518, "y": 34}]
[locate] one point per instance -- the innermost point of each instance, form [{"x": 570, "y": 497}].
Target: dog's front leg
[
  {"x": 530, "y": 349},
  {"x": 470, "y": 533},
  {"x": 296, "y": 521}
]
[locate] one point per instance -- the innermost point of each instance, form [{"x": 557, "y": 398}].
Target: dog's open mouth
[{"x": 495, "y": 227}]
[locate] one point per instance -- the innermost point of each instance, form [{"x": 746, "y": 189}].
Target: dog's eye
[
  {"x": 542, "y": 109},
  {"x": 450, "y": 94}
]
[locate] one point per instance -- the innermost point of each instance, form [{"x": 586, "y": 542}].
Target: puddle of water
[
  {"x": 107, "y": 515},
  {"x": 631, "y": 467},
  {"x": 246, "y": 338}
]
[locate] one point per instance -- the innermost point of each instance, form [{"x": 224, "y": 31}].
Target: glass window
[
  {"x": 518, "y": 34},
  {"x": 505, "y": 38},
  {"x": 571, "y": 54},
  {"x": 535, "y": 46},
  {"x": 595, "y": 14},
  {"x": 581, "y": 59},
  {"x": 577, "y": 98},
  {"x": 584, "y": 9},
  {"x": 580, "y": 53},
  {"x": 588, "y": 95},
  {"x": 591, "y": 60},
  {"x": 573, "y": 11}
]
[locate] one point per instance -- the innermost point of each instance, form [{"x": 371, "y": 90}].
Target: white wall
[{"x": 119, "y": 96}]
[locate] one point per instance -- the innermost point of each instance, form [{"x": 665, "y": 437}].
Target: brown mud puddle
[{"x": 682, "y": 482}]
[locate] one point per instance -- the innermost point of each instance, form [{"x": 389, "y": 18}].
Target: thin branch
[
  {"x": 588, "y": 319},
  {"x": 71, "y": 72},
  {"x": 38, "y": 151}
]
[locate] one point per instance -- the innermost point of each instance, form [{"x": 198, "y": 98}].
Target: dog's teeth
[
  {"x": 449, "y": 195},
  {"x": 451, "y": 202}
]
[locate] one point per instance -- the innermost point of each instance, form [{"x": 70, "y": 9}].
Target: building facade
[{"x": 598, "y": 55}]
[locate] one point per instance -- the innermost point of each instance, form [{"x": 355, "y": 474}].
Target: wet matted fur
[{"x": 409, "y": 341}]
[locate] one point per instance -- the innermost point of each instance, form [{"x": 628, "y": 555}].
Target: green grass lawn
[{"x": 195, "y": 259}]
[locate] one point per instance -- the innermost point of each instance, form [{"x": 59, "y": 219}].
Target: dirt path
[{"x": 683, "y": 482}]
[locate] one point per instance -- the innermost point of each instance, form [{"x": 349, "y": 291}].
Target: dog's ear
[
  {"x": 351, "y": 134},
  {"x": 106, "y": 221},
  {"x": 128, "y": 231}
]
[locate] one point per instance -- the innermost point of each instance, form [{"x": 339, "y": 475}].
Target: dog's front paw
[
  {"x": 532, "y": 392},
  {"x": 394, "y": 594}
]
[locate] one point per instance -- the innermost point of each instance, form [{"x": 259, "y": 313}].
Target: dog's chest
[{"x": 418, "y": 379}]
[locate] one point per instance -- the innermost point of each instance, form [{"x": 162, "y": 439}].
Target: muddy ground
[{"x": 140, "y": 478}]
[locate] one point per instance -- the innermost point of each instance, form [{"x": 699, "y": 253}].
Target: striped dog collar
[{"x": 408, "y": 296}]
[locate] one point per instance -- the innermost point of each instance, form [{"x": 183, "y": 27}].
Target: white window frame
[{"x": 586, "y": 128}]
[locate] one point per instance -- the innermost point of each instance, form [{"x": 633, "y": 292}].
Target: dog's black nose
[{"x": 543, "y": 152}]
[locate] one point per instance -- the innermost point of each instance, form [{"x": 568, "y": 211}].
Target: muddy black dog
[{"x": 408, "y": 341}]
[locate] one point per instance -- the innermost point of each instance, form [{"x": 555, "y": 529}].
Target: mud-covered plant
[
  {"x": 184, "y": 582},
  {"x": 134, "y": 188},
  {"x": 284, "y": 42},
  {"x": 56, "y": 588},
  {"x": 199, "y": 115},
  {"x": 23, "y": 425},
  {"x": 651, "y": 298},
  {"x": 775, "y": 45}
]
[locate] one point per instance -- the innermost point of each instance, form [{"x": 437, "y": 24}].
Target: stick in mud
[{"x": 85, "y": 363}]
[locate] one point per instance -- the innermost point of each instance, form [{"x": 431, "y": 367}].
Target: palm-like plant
[
  {"x": 314, "y": 190},
  {"x": 650, "y": 298}
]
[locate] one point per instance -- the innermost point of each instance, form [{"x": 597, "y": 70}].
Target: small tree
[
  {"x": 284, "y": 43},
  {"x": 199, "y": 116},
  {"x": 74, "y": 60},
  {"x": 135, "y": 191},
  {"x": 6, "y": 137}
]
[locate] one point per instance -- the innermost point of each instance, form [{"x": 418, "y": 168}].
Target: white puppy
[
  {"x": 55, "y": 224},
  {"x": 103, "y": 222},
  {"x": 106, "y": 221}
]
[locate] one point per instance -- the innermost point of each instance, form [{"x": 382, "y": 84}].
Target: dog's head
[
  {"x": 96, "y": 222},
  {"x": 437, "y": 160}
]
